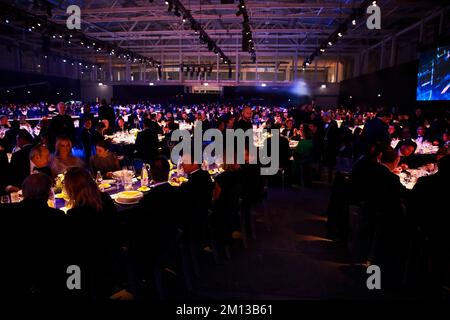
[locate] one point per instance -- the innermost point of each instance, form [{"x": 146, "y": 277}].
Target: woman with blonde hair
[
  {"x": 91, "y": 222},
  {"x": 63, "y": 158}
]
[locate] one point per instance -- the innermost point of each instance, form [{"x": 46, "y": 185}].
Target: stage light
[
  {"x": 71, "y": 93},
  {"x": 379, "y": 95},
  {"x": 263, "y": 85},
  {"x": 80, "y": 64},
  {"x": 374, "y": 3},
  {"x": 351, "y": 97},
  {"x": 167, "y": 3},
  {"x": 323, "y": 86},
  {"x": 339, "y": 34},
  {"x": 38, "y": 65},
  {"x": 330, "y": 43},
  {"x": 28, "y": 91},
  {"x": 151, "y": 84},
  {"x": 45, "y": 57},
  {"x": 57, "y": 93},
  {"x": 184, "y": 18},
  {"x": 100, "y": 84},
  {"x": 206, "y": 84},
  {"x": 7, "y": 21},
  {"x": 322, "y": 50},
  {"x": 64, "y": 60},
  {"x": 354, "y": 22}
]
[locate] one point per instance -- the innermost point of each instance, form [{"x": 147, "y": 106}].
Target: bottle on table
[
  {"x": 51, "y": 199},
  {"x": 98, "y": 177},
  {"x": 144, "y": 175}
]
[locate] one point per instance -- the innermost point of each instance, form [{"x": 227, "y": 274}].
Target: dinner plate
[
  {"x": 143, "y": 189},
  {"x": 135, "y": 201},
  {"x": 109, "y": 181},
  {"x": 104, "y": 185}
]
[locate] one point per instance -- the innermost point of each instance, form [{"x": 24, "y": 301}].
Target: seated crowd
[{"x": 149, "y": 250}]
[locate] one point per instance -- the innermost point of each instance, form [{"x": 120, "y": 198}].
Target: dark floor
[{"x": 290, "y": 258}]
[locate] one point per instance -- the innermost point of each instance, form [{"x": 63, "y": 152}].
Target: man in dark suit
[
  {"x": 61, "y": 124},
  {"x": 157, "y": 208},
  {"x": 146, "y": 144},
  {"x": 421, "y": 136},
  {"x": 154, "y": 126},
  {"x": 377, "y": 130},
  {"x": 245, "y": 122},
  {"x": 155, "y": 225},
  {"x": 106, "y": 112},
  {"x": 288, "y": 131},
  {"x": 330, "y": 144},
  {"x": 197, "y": 192},
  {"x": 9, "y": 140},
  {"x": 426, "y": 205},
  {"x": 20, "y": 161},
  {"x": 405, "y": 150},
  {"x": 4, "y": 167},
  {"x": 27, "y": 161},
  {"x": 386, "y": 219},
  {"x": 86, "y": 138},
  {"x": 32, "y": 235}
]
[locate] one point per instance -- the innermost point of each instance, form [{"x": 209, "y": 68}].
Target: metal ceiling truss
[{"x": 287, "y": 27}]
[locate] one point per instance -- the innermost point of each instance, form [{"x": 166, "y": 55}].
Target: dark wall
[
  {"x": 156, "y": 94},
  {"x": 269, "y": 94},
  {"x": 397, "y": 86},
  {"x": 41, "y": 87}
]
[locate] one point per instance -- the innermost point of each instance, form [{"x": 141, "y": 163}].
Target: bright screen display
[{"x": 434, "y": 75}]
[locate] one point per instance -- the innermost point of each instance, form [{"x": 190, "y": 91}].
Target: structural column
[
  {"x": 295, "y": 66},
  {"x": 382, "y": 56},
  {"x": 366, "y": 61},
  {"x": 110, "y": 70},
  {"x": 127, "y": 71},
  {"x": 393, "y": 51},
  {"x": 238, "y": 67}
]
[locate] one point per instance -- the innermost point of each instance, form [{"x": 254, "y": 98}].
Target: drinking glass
[{"x": 5, "y": 199}]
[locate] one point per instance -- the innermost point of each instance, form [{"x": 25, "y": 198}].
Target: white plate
[
  {"x": 109, "y": 181},
  {"x": 136, "y": 201}
]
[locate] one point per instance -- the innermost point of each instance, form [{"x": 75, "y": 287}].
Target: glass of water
[{"x": 5, "y": 199}]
